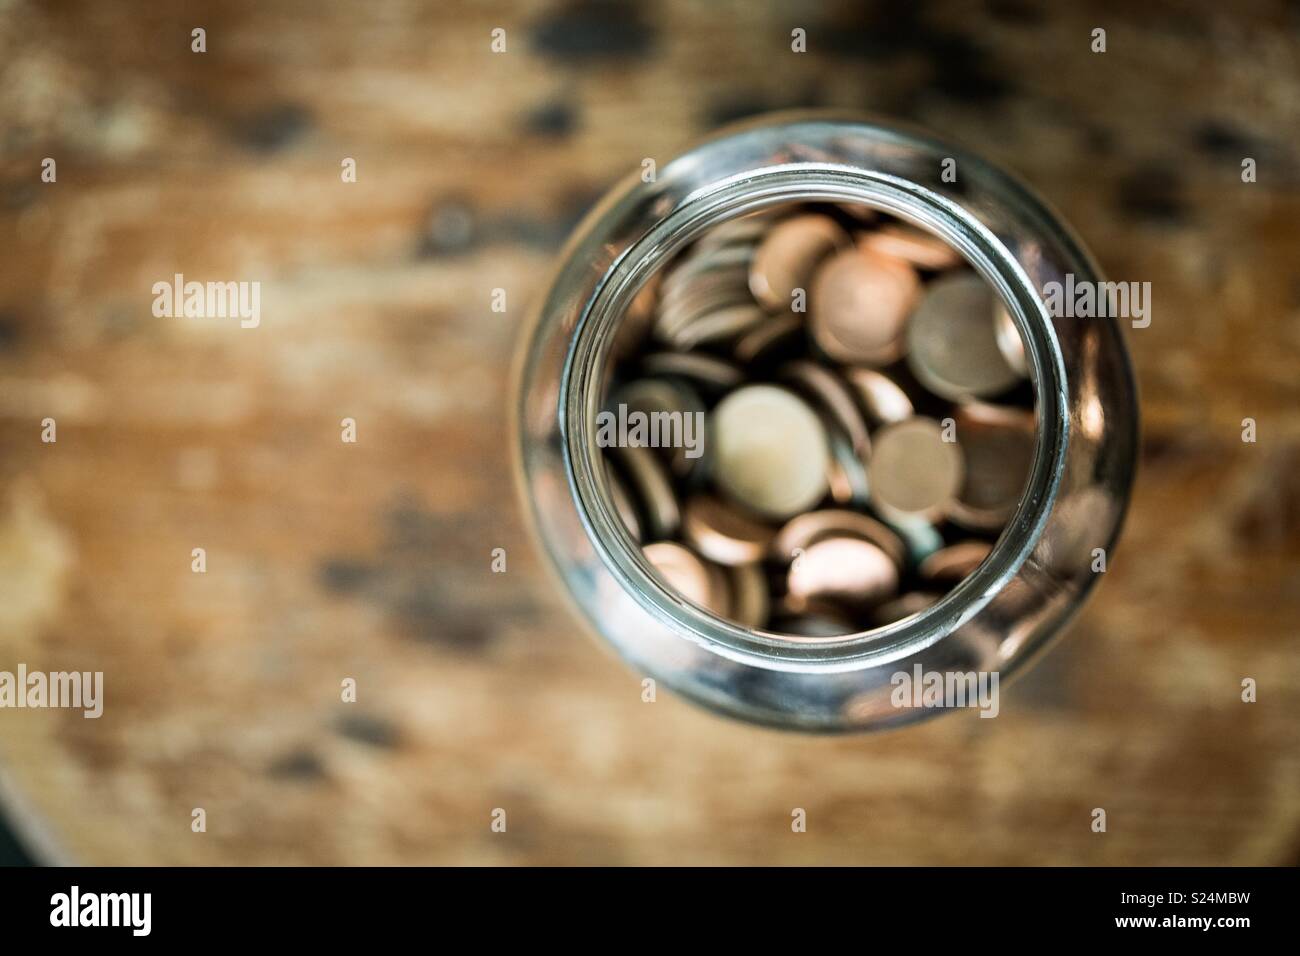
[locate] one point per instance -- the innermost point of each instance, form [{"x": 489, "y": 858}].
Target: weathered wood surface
[{"x": 476, "y": 690}]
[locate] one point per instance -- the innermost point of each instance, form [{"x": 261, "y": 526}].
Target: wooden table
[{"x": 476, "y": 691}]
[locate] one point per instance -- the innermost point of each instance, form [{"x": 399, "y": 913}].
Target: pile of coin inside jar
[{"x": 868, "y": 421}]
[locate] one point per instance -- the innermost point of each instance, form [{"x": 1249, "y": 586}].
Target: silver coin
[
  {"x": 913, "y": 470},
  {"x": 770, "y": 451},
  {"x": 953, "y": 342},
  {"x": 997, "y": 445}
]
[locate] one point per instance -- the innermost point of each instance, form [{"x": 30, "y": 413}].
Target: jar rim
[{"x": 738, "y": 195}]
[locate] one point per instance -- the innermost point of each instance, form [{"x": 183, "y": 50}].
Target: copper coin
[
  {"x": 880, "y": 396},
  {"x": 954, "y": 563},
  {"x": 924, "y": 250},
  {"x": 860, "y": 302},
  {"x": 722, "y": 533},
  {"x": 712, "y": 293},
  {"x": 788, "y": 256},
  {"x": 828, "y": 392},
  {"x": 769, "y": 451},
  {"x": 863, "y": 214},
  {"x": 705, "y": 295},
  {"x": 777, "y": 334},
  {"x": 720, "y": 325},
  {"x": 845, "y": 569},
  {"x": 648, "y": 475},
  {"x": 728, "y": 266},
  {"x": 705, "y": 261},
  {"x": 913, "y": 470},
  {"x": 801, "y": 532},
  {"x": 689, "y": 575},
  {"x": 998, "y": 446},
  {"x": 952, "y": 340},
  {"x": 660, "y": 396},
  {"x": 711, "y": 374}
]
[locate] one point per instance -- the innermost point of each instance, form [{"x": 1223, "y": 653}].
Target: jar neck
[{"x": 583, "y": 382}]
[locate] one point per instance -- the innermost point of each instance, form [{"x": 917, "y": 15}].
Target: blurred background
[{"x": 475, "y": 690}]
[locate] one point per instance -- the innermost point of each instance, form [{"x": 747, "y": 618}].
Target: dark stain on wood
[
  {"x": 10, "y": 330},
  {"x": 1224, "y": 139},
  {"x": 299, "y": 766},
  {"x": 370, "y": 730},
  {"x": 274, "y": 128},
  {"x": 587, "y": 31},
  {"x": 554, "y": 120},
  {"x": 962, "y": 69},
  {"x": 1153, "y": 193},
  {"x": 451, "y": 229}
]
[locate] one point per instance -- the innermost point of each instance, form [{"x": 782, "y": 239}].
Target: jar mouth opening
[{"x": 589, "y": 357}]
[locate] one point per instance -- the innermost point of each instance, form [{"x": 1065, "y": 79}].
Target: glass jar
[{"x": 1048, "y": 557}]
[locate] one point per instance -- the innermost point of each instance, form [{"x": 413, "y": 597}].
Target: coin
[
  {"x": 997, "y": 444},
  {"x": 661, "y": 396},
  {"x": 770, "y": 450},
  {"x": 709, "y": 373},
  {"x": 952, "y": 340},
  {"x": 689, "y": 575},
  {"x": 863, "y": 214},
  {"x": 648, "y": 475},
  {"x": 924, "y": 250},
  {"x": 788, "y": 255},
  {"x": 801, "y": 532},
  {"x": 913, "y": 471},
  {"x": 708, "y": 279},
  {"x": 845, "y": 569},
  {"x": 880, "y": 396},
  {"x": 832, "y": 396},
  {"x": 723, "y": 267},
  {"x": 722, "y": 533},
  {"x": 702, "y": 301},
  {"x": 777, "y": 333},
  {"x": 706, "y": 261},
  {"x": 743, "y": 230},
  {"x": 954, "y": 563},
  {"x": 859, "y": 306},
  {"x": 720, "y": 325}
]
